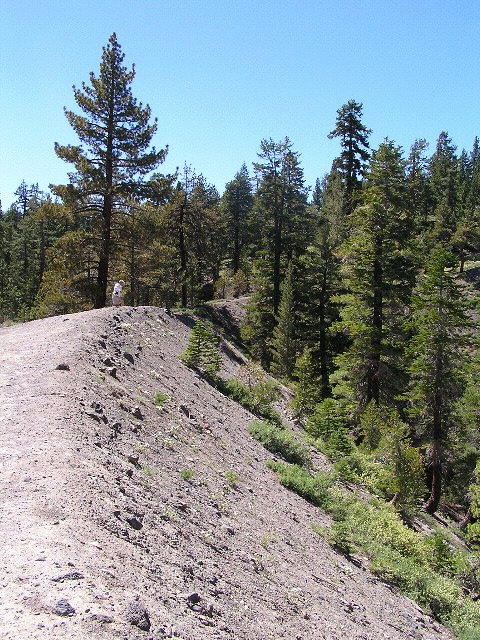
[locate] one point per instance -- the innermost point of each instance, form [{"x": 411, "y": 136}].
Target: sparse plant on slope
[{"x": 161, "y": 399}]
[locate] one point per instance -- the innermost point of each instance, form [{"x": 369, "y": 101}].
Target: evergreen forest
[{"x": 363, "y": 290}]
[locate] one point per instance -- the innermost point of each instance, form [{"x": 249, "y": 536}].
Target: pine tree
[
  {"x": 202, "y": 351},
  {"x": 283, "y": 341},
  {"x": 237, "y": 203},
  {"x": 116, "y": 133},
  {"x": 319, "y": 280},
  {"x": 280, "y": 204},
  {"x": 308, "y": 387},
  {"x": 418, "y": 188},
  {"x": 283, "y": 221},
  {"x": 354, "y": 141},
  {"x": 378, "y": 274},
  {"x": 444, "y": 188},
  {"x": 436, "y": 352}
]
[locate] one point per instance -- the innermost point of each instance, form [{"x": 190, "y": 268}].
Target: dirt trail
[{"x": 127, "y": 513}]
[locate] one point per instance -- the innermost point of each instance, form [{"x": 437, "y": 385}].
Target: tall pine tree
[
  {"x": 436, "y": 352},
  {"x": 117, "y": 133}
]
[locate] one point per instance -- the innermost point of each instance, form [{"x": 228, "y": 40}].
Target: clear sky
[{"x": 221, "y": 75}]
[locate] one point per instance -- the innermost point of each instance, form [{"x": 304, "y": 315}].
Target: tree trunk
[
  {"x": 467, "y": 519},
  {"x": 373, "y": 382},
  {"x": 276, "y": 263},
  {"x": 431, "y": 505},
  {"x": 322, "y": 338},
  {"x": 104, "y": 258},
  {"x": 183, "y": 257}
]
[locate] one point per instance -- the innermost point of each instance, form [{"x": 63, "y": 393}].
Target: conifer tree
[
  {"x": 308, "y": 387},
  {"x": 116, "y": 132},
  {"x": 378, "y": 274},
  {"x": 280, "y": 204},
  {"x": 417, "y": 173},
  {"x": 436, "y": 352},
  {"x": 283, "y": 221},
  {"x": 354, "y": 141},
  {"x": 283, "y": 341},
  {"x": 237, "y": 203},
  {"x": 444, "y": 189}
]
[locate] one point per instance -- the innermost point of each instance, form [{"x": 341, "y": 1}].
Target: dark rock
[
  {"x": 138, "y": 616},
  {"x": 64, "y": 608},
  {"x": 116, "y": 426},
  {"x": 137, "y": 413},
  {"x": 62, "y": 367},
  {"x": 112, "y": 371},
  {"x": 133, "y": 459},
  {"x": 108, "y": 362},
  {"x": 100, "y": 617},
  {"x": 95, "y": 416},
  {"x": 187, "y": 412},
  {"x": 74, "y": 575},
  {"x": 134, "y": 523},
  {"x": 129, "y": 357},
  {"x": 194, "y": 598}
]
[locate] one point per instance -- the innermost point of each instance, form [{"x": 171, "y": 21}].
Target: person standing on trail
[{"x": 117, "y": 298}]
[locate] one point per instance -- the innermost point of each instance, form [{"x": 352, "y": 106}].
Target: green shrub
[
  {"x": 325, "y": 421},
  {"x": 314, "y": 488},
  {"x": 161, "y": 400},
  {"x": 251, "y": 399},
  {"x": 187, "y": 475},
  {"x": 340, "y": 538},
  {"x": 327, "y": 426},
  {"x": 281, "y": 442},
  {"x": 232, "y": 479}
]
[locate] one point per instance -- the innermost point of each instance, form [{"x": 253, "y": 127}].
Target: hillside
[{"x": 125, "y": 520}]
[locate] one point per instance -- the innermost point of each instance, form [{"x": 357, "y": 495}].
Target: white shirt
[{"x": 117, "y": 289}]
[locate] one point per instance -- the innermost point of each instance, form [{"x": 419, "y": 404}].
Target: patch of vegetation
[
  {"x": 256, "y": 399},
  {"x": 426, "y": 569},
  {"x": 313, "y": 488},
  {"x": 232, "y": 479},
  {"x": 187, "y": 475},
  {"x": 149, "y": 470},
  {"x": 161, "y": 400},
  {"x": 280, "y": 441}
]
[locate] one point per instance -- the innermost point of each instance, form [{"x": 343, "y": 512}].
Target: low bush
[
  {"x": 314, "y": 488},
  {"x": 281, "y": 442},
  {"x": 249, "y": 399},
  {"x": 161, "y": 399}
]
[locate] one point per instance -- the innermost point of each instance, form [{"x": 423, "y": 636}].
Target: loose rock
[
  {"x": 64, "y": 608},
  {"x": 138, "y": 616}
]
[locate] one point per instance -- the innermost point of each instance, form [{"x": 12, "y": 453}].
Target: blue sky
[{"x": 221, "y": 75}]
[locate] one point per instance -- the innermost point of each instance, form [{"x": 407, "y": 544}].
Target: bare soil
[{"x": 122, "y": 519}]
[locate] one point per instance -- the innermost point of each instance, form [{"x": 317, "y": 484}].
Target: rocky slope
[{"x": 122, "y": 519}]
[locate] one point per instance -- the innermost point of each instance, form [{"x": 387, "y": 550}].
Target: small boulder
[
  {"x": 137, "y": 413},
  {"x": 138, "y": 616},
  {"x": 64, "y": 608},
  {"x": 134, "y": 523}
]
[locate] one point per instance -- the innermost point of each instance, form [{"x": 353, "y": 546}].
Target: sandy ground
[{"x": 121, "y": 519}]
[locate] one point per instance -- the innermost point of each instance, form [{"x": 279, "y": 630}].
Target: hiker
[{"x": 117, "y": 298}]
